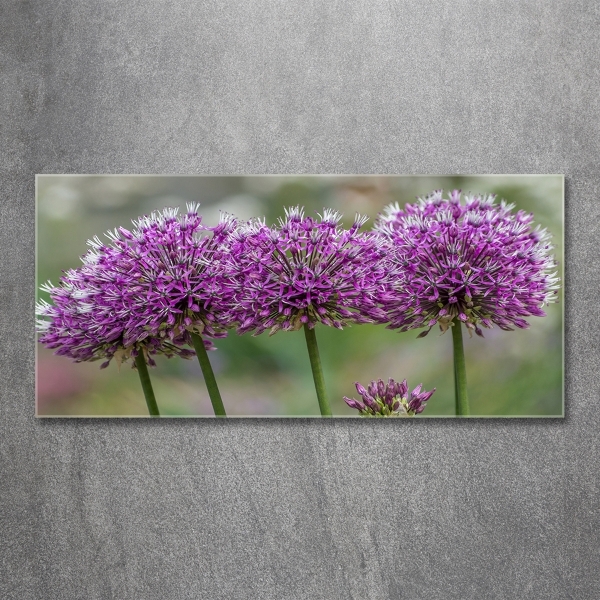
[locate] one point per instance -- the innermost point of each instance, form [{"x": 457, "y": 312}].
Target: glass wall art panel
[{"x": 353, "y": 296}]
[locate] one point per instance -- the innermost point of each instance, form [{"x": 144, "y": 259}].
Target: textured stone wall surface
[{"x": 299, "y": 509}]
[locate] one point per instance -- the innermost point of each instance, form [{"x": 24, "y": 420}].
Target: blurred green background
[{"x": 516, "y": 373}]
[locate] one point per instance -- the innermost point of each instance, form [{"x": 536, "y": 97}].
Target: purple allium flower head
[
  {"x": 176, "y": 283},
  {"x": 144, "y": 291},
  {"x": 84, "y": 321},
  {"x": 389, "y": 400},
  {"x": 306, "y": 271},
  {"x": 477, "y": 261}
]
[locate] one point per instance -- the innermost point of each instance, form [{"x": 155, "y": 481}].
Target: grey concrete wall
[{"x": 299, "y": 509}]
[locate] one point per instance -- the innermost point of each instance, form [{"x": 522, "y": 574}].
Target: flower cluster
[
  {"x": 145, "y": 291},
  {"x": 176, "y": 282},
  {"x": 307, "y": 271},
  {"x": 440, "y": 261},
  {"x": 82, "y": 323},
  {"x": 478, "y": 262},
  {"x": 389, "y": 400}
]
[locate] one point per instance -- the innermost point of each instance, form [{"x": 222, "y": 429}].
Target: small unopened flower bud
[
  {"x": 361, "y": 390},
  {"x": 389, "y": 400}
]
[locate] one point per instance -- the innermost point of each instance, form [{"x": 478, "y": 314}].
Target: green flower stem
[
  {"x": 142, "y": 369},
  {"x": 455, "y": 388},
  {"x": 209, "y": 376},
  {"x": 460, "y": 371},
  {"x": 317, "y": 370}
]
